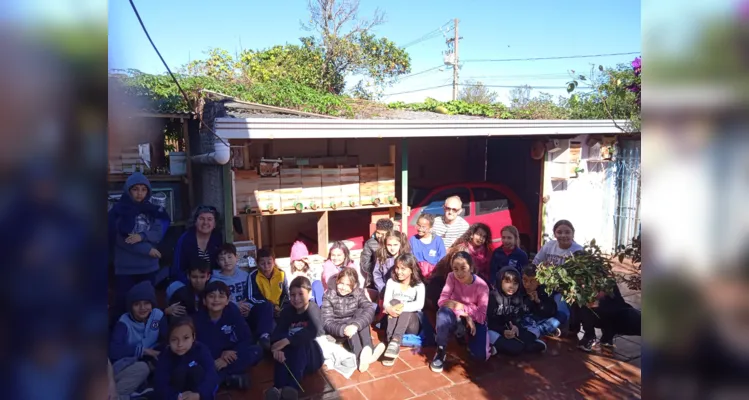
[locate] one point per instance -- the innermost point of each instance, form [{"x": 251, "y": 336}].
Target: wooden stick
[{"x": 293, "y": 377}]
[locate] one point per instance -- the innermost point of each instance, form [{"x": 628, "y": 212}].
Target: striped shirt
[{"x": 449, "y": 233}]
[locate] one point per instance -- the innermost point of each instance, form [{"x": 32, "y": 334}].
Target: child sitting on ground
[
  {"x": 188, "y": 300},
  {"x": 543, "y": 308},
  {"x": 339, "y": 257},
  {"x": 235, "y": 278},
  {"x": 428, "y": 249},
  {"x": 267, "y": 294},
  {"x": 136, "y": 226},
  {"x": 510, "y": 253},
  {"x": 394, "y": 244},
  {"x": 613, "y": 315},
  {"x": 368, "y": 257},
  {"x": 135, "y": 336},
  {"x": 403, "y": 300},
  {"x": 294, "y": 341},
  {"x": 300, "y": 267},
  {"x": 465, "y": 296},
  {"x": 222, "y": 329},
  {"x": 507, "y": 307},
  {"x": 347, "y": 313},
  {"x": 185, "y": 370}
]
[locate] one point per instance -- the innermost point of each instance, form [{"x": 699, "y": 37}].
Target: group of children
[{"x": 222, "y": 322}]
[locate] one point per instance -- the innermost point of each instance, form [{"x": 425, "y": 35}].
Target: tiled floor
[{"x": 563, "y": 372}]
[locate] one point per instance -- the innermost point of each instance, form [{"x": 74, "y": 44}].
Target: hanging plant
[{"x": 582, "y": 278}]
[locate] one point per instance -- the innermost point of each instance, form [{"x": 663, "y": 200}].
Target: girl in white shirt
[{"x": 403, "y": 300}]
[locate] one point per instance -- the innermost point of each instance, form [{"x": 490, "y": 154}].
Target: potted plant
[{"x": 582, "y": 279}]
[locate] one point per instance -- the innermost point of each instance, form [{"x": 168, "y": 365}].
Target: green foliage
[
  {"x": 632, "y": 252},
  {"x": 581, "y": 277},
  {"x": 476, "y": 92},
  {"x": 161, "y": 91},
  {"x": 542, "y": 107},
  {"x": 301, "y": 64}
]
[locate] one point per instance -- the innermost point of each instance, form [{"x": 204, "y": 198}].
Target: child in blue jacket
[
  {"x": 185, "y": 370},
  {"x": 222, "y": 329},
  {"x": 135, "y": 226},
  {"x": 509, "y": 253},
  {"x": 136, "y": 334}
]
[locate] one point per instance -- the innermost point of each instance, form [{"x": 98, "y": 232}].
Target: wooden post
[
  {"x": 392, "y": 154},
  {"x": 259, "y": 231},
  {"x": 186, "y": 136},
  {"x": 404, "y": 185},
  {"x": 322, "y": 235},
  {"x": 228, "y": 204}
]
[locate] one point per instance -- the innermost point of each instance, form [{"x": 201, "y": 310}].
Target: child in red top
[{"x": 465, "y": 296}]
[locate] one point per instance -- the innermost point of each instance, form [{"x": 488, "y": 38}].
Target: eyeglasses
[{"x": 455, "y": 210}]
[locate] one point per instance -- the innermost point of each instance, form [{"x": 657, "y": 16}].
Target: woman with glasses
[{"x": 200, "y": 243}]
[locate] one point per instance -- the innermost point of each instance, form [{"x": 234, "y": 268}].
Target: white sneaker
[
  {"x": 377, "y": 352},
  {"x": 365, "y": 359}
]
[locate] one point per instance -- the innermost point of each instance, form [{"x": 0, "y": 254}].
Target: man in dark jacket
[{"x": 368, "y": 257}]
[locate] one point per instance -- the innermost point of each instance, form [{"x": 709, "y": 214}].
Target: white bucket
[{"x": 177, "y": 163}]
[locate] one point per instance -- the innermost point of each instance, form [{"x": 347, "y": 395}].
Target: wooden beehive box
[
  {"x": 268, "y": 194},
  {"x": 368, "y": 185},
  {"x": 245, "y": 184},
  {"x": 331, "y": 188},
  {"x": 291, "y": 188},
  {"x": 386, "y": 183},
  {"x": 350, "y": 186},
  {"x": 312, "y": 187}
]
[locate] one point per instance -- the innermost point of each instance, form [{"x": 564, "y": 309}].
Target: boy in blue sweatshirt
[
  {"x": 235, "y": 278},
  {"x": 135, "y": 227},
  {"x": 188, "y": 300},
  {"x": 136, "y": 334},
  {"x": 294, "y": 342},
  {"x": 220, "y": 326},
  {"x": 185, "y": 371}
]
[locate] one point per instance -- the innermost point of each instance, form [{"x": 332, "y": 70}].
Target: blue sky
[{"x": 185, "y": 29}]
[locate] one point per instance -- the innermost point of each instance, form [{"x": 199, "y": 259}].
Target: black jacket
[
  {"x": 368, "y": 259},
  {"x": 340, "y": 311},
  {"x": 547, "y": 307}
]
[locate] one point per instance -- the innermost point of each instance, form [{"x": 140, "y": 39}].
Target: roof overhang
[{"x": 306, "y": 128}]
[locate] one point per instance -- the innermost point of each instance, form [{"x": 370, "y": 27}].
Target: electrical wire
[
  {"x": 427, "y": 36},
  {"x": 187, "y": 99},
  {"x": 474, "y": 85},
  {"x": 551, "y": 58}
]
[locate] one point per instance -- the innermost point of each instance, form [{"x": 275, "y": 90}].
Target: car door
[{"x": 492, "y": 208}]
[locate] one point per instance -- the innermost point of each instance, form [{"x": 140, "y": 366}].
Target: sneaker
[
  {"x": 237, "y": 382},
  {"x": 364, "y": 358},
  {"x": 555, "y": 333},
  {"x": 388, "y": 362},
  {"x": 493, "y": 350},
  {"x": 586, "y": 343},
  {"x": 438, "y": 363},
  {"x": 273, "y": 394},
  {"x": 537, "y": 346},
  {"x": 377, "y": 352},
  {"x": 608, "y": 343},
  {"x": 289, "y": 393},
  {"x": 392, "y": 349},
  {"x": 145, "y": 393}
]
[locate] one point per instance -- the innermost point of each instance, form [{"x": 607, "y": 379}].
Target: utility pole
[{"x": 455, "y": 62}]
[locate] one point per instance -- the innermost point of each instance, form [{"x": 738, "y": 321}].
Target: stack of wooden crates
[{"x": 315, "y": 188}]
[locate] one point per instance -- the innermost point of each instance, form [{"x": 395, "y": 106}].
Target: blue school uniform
[
  {"x": 229, "y": 332},
  {"x": 431, "y": 253},
  {"x": 303, "y": 354},
  {"x": 517, "y": 259},
  {"x": 237, "y": 284},
  {"x": 194, "y": 372},
  {"x": 130, "y": 337}
]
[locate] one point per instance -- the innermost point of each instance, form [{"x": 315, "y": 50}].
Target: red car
[{"x": 492, "y": 204}]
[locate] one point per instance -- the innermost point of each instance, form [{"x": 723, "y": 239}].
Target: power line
[
  {"x": 187, "y": 99},
  {"x": 552, "y": 58},
  {"x": 422, "y": 72},
  {"x": 469, "y": 85},
  {"x": 430, "y": 35}
]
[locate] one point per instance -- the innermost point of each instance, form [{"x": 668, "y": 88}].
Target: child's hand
[
  {"x": 279, "y": 356},
  {"x": 509, "y": 334},
  {"x": 220, "y": 364},
  {"x": 244, "y": 308},
  {"x": 189, "y": 396},
  {"x": 154, "y": 253},
  {"x": 350, "y": 330},
  {"x": 471, "y": 325},
  {"x": 175, "y": 309},
  {"x": 151, "y": 353},
  {"x": 279, "y": 345},
  {"x": 134, "y": 238},
  {"x": 392, "y": 312},
  {"x": 229, "y": 356}
]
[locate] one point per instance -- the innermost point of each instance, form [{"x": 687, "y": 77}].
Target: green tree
[
  {"x": 477, "y": 92},
  {"x": 219, "y": 65},
  {"x": 349, "y": 47},
  {"x": 520, "y": 96},
  {"x": 301, "y": 64}
]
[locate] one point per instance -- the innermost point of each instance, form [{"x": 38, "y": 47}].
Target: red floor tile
[
  {"x": 377, "y": 370},
  {"x": 469, "y": 391},
  {"x": 389, "y": 388},
  {"x": 351, "y": 394},
  {"x": 605, "y": 388},
  {"x": 423, "y": 380},
  {"x": 339, "y": 382},
  {"x": 439, "y": 394}
]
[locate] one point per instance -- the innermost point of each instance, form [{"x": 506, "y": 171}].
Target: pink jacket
[
  {"x": 330, "y": 271},
  {"x": 474, "y": 297}
]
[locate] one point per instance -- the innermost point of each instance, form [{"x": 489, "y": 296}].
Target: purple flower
[{"x": 637, "y": 63}]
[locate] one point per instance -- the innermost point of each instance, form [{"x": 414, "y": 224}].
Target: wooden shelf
[
  {"x": 307, "y": 211},
  {"x": 152, "y": 178}
]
